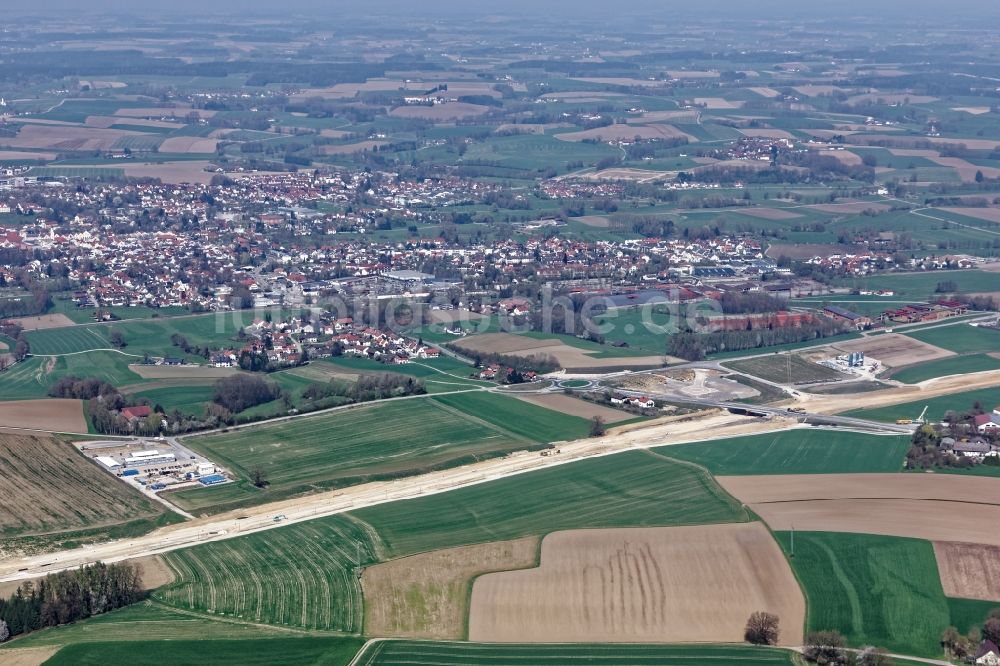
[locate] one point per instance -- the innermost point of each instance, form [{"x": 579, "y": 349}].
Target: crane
[{"x": 919, "y": 419}]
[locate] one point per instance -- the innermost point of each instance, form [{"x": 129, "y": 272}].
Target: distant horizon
[{"x": 707, "y": 9}]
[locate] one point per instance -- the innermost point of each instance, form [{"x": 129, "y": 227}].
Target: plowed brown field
[
  {"x": 49, "y": 414},
  {"x": 670, "y": 584},
  {"x": 936, "y": 507},
  {"x": 969, "y": 570}
]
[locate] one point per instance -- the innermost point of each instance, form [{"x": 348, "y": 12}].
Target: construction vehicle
[{"x": 919, "y": 420}]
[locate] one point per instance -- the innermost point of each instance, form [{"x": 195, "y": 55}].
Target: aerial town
[{"x": 545, "y": 333}]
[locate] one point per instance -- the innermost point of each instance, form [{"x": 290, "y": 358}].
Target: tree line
[
  {"x": 68, "y": 596},
  {"x": 540, "y": 363},
  {"x": 240, "y": 392},
  {"x": 372, "y": 386},
  {"x": 694, "y": 346}
]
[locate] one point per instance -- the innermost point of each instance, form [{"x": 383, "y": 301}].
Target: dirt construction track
[
  {"x": 936, "y": 507},
  {"x": 668, "y": 584}
]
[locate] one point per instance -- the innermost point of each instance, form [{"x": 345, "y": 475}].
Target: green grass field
[
  {"x": 799, "y": 451},
  {"x": 645, "y": 328},
  {"x": 33, "y": 377},
  {"x": 960, "y": 338},
  {"x": 306, "y": 650},
  {"x": 531, "y": 152},
  {"x": 956, "y": 365},
  {"x": 439, "y": 375},
  {"x": 968, "y": 613},
  {"x": 530, "y": 421},
  {"x": 631, "y": 489},
  {"x": 299, "y": 577},
  {"x": 63, "y": 305},
  {"x": 190, "y": 400},
  {"x": 598, "y": 350},
  {"x": 344, "y": 447},
  {"x": 875, "y": 590},
  {"x": 145, "y": 621},
  {"x": 922, "y": 285},
  {"x": 785, "y": 368},
  {"x": 425, "y": 653},
  {"x": 150, "y": 335},
  {"x": 936, "y": 407}
]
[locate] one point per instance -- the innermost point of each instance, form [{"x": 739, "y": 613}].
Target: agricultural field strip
[
  {"x": 331, "y": 503},
  {"x": 32, "y": 464},
  {"x": 256, "y": 582},
  {"x": 380, "y": 651},
  {"x": 665, "y": 584},
  {"x": 627, "y": 490},
  {"x": 875, "y": 590},
  {"x": 371, "y": 438}
]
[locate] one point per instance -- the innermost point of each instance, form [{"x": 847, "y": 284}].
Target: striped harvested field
[{"x": 301, "y": 577}]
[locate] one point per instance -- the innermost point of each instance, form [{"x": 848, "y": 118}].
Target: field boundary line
[
  {"x": 712, "y": 486},
  {"x": 89, "y": 351},
  {"x": 230, "y": 620},
  {"x": 471, "y": 418}
]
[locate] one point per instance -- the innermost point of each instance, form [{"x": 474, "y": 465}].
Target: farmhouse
[
  {"x": 137, "y": 412},
  {"x": 925, "y": 312},
  {"x": 987, "y": 422},
  {"x": 857, "y": 320},
  {"x": 988, "y": 654}
]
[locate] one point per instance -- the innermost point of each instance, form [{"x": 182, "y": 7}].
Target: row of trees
[
  {"x": 694, "y": 346},
  {"x": 540, "y": 363},
  {"x": 81, "y": 389},
  {"x": 68, "y": 596},
  {"x": 367, "y": 387},
  {"x": 240, "y": 392}
]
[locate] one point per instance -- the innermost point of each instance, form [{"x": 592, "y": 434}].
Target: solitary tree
[
  {"x": 762, "y": 628},
  {"x": 259, "y": 477},
  {"x": 597, "y": 427},
  {"x": 21, "y": 348},
  {"x": 117, "y": 339}
]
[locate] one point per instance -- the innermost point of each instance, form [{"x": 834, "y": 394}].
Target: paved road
[{"x": 805, "y": 417}]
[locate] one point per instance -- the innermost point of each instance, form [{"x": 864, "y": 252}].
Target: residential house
[
  {"x": 137, "y": 412},
  {"x": 988, "y": 654},
  {"x": 987, "y": 422}
]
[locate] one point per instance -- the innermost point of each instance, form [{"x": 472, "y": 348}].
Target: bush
[{"x": 825, "y": 648}]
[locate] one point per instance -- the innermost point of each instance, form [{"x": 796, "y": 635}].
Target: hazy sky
[{"x": 942, "y": 9}]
